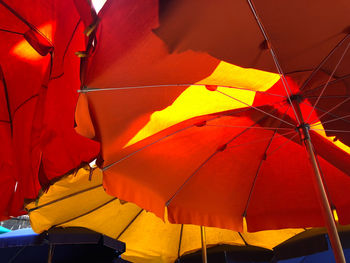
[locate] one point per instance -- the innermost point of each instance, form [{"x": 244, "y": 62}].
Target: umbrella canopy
[
  {"x": 326, "y": 256},
  {"x": 310, "y": 246},
  {"x": 39, "y": 76},
  {"x": 229, "y": 254},
  {"x": 143, "y": 70},
  {"x": 79, "y": 200},
  {"x": 212, "y": 142},
  {"x": 59, "y": 245}
]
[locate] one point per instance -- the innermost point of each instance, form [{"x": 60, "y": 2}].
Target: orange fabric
[
  {"x": 138, "y": 57},
  {"x": 217, "y": 194},
  {"x": 172, "y": 113}
]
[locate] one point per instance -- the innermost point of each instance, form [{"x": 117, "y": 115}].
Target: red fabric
[
  {"x": 23, "y": 79},
  {"x": 86, "y": 11},
  {"x": 41, "y": 97}
]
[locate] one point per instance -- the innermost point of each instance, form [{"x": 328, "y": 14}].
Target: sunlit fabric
[
  {"x": 184, "y": 127},
  {"x": 140, "y": 64},
  {"x": 228, "y": 164},
  {"x": 79, "y": 200},
  {"x": 24, "y": 50},
  {"x": 38, "y": 82}
]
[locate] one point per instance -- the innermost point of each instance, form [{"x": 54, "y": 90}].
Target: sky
[{"x": 98, "y": 4}]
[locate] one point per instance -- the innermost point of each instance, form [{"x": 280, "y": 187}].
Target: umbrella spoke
[
  {"x": 261, "y": 128},
  {"x": 66, "y": 49},
  {"x": 245, "y": 242},
  {"x": 274, "y": 56},
  {"x": 86, "y": 213},
  {"x": 86, "y": 90},
  {"x": 24, "y": 102},
  {"x": 260, "y": 140},
  {"x": 255, "y": 108},
  {"x": 180, "y": 240},
  {"x": 2, "y": 79},
  {"x": 330, "y": 83},
  {"x": 335, "y": 107},
  {"x": 224, "y": 114},
  {"x": 283, "y": 144},
  {"x": 324, "y": 61},
  {"x": 11, "y": 32},
  {"x": 336, "y": 119},
  {"x": 129, "y": 224},
  {"x": 65, "y": 197},
  {"x": 328, "y": 97},
  {"x": 189, "y": 178},
  {"x": 329, "y": 79},
  {"x": 219, "y": 149},
  {"x": 146, "y": 146},
  {"x": 329, "y": 113},
  {"x": 260, "y": 164},
  {"x": 329, "y": 130}
]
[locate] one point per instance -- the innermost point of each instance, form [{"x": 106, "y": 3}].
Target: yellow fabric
[
  {"x": 77, "y": 201},
  {"x": 194, "y": 101},
  {"x": 236, "y": 82}
]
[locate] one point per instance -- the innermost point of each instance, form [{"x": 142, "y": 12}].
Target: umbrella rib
[
  {"x": 274, "y": 56},
  {"x": 11, "y": 32},
  {"x": 2, "y": 77},
  {"x": 336, "y": 106},
  {"x": 208, "y": 159},
  {"x": 329, "y": 79},
  {"x": 86, "y": 213},
  {"x": 256, "y": 91},
  {"x": 64, "y": 197},
  {"x": 255, "y": 108},
  {"x": 190, "y": 177},
  {"x": 166, "y": 136},
  {"x": 260, "y": 140},
  {"x": 324, "y": 61},
  {"x": 283, "y": 144},
  {"x": 329, "y": 113},
  {"x": 330, "y": 83},
  {"x": 245, "y": 242},
  {"x": 329, "y": 130},
  {"x": 263, "y": 128},
  {"x": 66, "y": 49},
  {"x": 128, "y": 225},
  {"x": 142, "y": 148},
  {"x": 336, "y": 119},
  {"x": 328, "y": 97},
  {"x": 180, "y": 241},
  {"x": 86, "y": 90},
  {"x": 24, "y": 102},
  {"x": 259, "y": 167}
]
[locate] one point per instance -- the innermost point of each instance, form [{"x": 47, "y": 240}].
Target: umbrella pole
[
  {"x": 204, "y": 245},
  {"x": 326, "y": 209},
  {"x": 327, "y": 214},
  {"x": 50, "y": 254}
]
